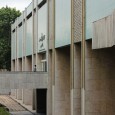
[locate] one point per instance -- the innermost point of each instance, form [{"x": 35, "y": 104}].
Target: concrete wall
[
  {"x": 62, "y": 81},
  {"x": 27, "y": 99},
  {"x": 100, "y": 81},
  {"x": 19, "y": 94}
]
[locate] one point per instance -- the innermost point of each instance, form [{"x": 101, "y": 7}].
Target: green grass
[{"x": 3, "y": 111}]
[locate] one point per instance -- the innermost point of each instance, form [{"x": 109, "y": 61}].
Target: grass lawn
[{"x": 3, "y": 111}]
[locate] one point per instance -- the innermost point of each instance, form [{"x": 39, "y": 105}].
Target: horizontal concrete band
[{"x": 23, "y": 80}]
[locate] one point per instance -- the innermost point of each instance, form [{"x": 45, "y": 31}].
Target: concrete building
[{"x": 73, "y": 40}]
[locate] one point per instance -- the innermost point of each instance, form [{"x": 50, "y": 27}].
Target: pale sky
[{"x": 18, "y": 4}]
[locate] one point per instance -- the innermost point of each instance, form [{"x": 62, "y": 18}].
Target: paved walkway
[
  {"x": 21, "y": 113},
  {"x": 10, "y": 103},
  {"x": 14, "y": 107},
  {"x": 25, "y": 113}
]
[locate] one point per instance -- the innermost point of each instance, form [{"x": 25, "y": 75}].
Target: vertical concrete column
[
  {"x": 77, "y": 80},
  {"x": 33, "y": 56},
  {"x": 24, "y": 53},
  {"x": 16, "y": 68},
  {"x": 39, "y": 65},
  {"x": 72, "y": 61},
  {"x": 62, "y": 81},
  {"x": 49, "y": 91},
  {"x": 28, "y": 93},
  {"x": 19, "y": 91},
  {"x": 32, "y": 34},
  {"x": 19, "y": 68},
  {"x": 17, "y": 44},
  {"x": 36, "y": 50},
  {"x": 83, "y": 60},
  {"x": 50, "y": 66},
  {"x": 24, "y": 43},
  {"x": 53, "y": 63}
]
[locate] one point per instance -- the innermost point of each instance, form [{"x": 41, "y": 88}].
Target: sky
[{"x": 18, "y": 4}]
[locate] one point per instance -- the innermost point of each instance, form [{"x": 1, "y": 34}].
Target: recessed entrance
[{"x": 41, "y": 101}]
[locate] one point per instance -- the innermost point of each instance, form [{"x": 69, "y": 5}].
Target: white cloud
[{"x": 18, "y": 4}]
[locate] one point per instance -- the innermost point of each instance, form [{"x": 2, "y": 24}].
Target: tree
[{"x": 7, "y": 16}]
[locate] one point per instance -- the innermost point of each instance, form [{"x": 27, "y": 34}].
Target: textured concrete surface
[
  {"x": 62, "y": 81},
  {"x": 103, "y": 32},
  {"x": 49, "y": 91},
  {"x": 100, "y": 81},
  {"x": 27, "y": 99},
  {"x": 77, "y": 20},
  {"x": 19, "y": 94},
  {"x": 77, "y": 80},
  {"x": 23, "y": 80}
]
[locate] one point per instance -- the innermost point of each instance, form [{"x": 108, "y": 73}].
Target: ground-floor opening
[{"x": 41, "y": 101}]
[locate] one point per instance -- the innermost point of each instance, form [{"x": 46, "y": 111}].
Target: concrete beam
[{"x": 23, "y": 80}]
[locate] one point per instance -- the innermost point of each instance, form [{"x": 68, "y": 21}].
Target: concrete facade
[
  {"x": 80, "y": 79},
  {"x": 62, "y": 81},
  {"x": 100, "y": 81}
]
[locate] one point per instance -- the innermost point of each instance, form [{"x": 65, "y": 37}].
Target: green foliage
[
  {"x": 3, "y": 111},
  {"x": 7, "y": 16}
]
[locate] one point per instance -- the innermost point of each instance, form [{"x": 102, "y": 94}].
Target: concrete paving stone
[{"x": 21, "y": 113}]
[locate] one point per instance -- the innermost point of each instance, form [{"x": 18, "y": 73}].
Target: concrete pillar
[
  {"x": 77, "y": 80},
  {"x": 13, "y": 69},
  {"x": 49, "y": 91},
  {"x": 39, "y": 64},
  {"x": 28, "y": 93},
  {"x": 62, "y": 81},
  {"x": 19, "y": 68}
]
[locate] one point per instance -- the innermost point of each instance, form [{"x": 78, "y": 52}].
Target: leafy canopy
[{"x": 7, "y": 16}]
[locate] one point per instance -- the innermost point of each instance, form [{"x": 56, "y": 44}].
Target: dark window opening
[
  {"x": 34, "y": 10},
  {"x": 13, "y": 31},
  {"x": 20, "y": 24},
  {"x": 23, "y": 20},
  {"x": 29, "y": 15},
  {"x": 42, "y": 3}
]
